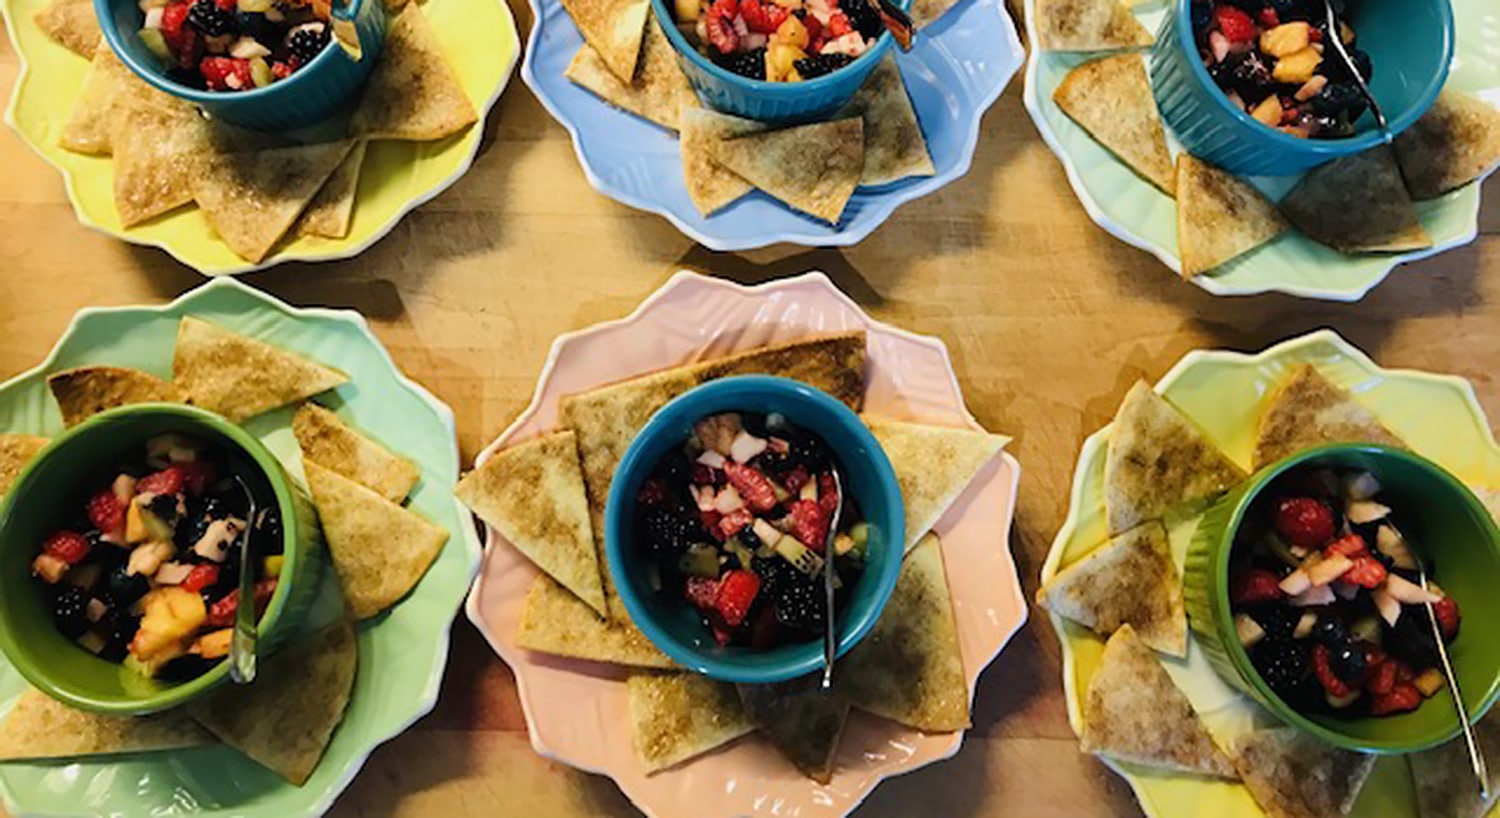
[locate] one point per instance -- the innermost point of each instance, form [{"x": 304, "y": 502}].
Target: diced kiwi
[
  {"x": 260, "y": 72},
  {"x": 155, "y": 43},
  {"x": 700, "y": 560},
  {"x": 801, "y": 558},
  {"x": 1367, "y": 629}
]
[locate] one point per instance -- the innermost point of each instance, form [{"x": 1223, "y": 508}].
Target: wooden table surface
[{"x": 1048, "y": 318}]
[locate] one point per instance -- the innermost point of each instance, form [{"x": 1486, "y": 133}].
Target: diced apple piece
[
  {"x": 172, "y": 573},
  {"x": 746, "y": 447},
  {"x": 809, "y": 491},
  {"x": 49, "y": 568},
  {"x": 1360, "y": 512},
  {"x": 1360, "y": 486},
  {"x": 124, "y": 489},
  {"x": 1341, "y": 702},
  {"x": 728, "y": 500},
  {"x": 1317, "y": 595},
  {"x": 92, "y": 642},
  {"x": 1388, "y": 606},
  {"x": 213, "y": 645},
  {"x": 220, "y": 534},
  {"x": 712, "y": 459},
  {"x": 767, "y": 533},
  {"x": 1329, "y": 569},
  {"x": 95, "y": 610},
  {"x": 1407, "y": 592},
  {"x": 85, "y": 575},
  {"x": 148, "y": 557},
  {"x": 1296, "y": 582},
  {"x": 1305, "y": 625},
  {"x": 1430, "y": 681},
  {"x": 1250, "y": 632},
  {"x": 1390, "y": 543}
]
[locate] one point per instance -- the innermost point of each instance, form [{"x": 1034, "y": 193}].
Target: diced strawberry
[
  {"x": 702, "y": 592},
  {"x": 221, "y": 612},
  {"x": 839, "y": 25},
  {"x": 754, "y": 487},
  {"x": 166, "y": 481},
  {"x": 191, "y": 47},
  {"x": 737, "y": 591},
  {"x": 828, "y": 493},
  {"x": 264, "y": 590},
  {"x": 711, "y": 521},
  {"x": 68, "y": 546},
  {"x": 810, "y": 524},
  {"x": 719, "y": 23},
  {"x": 721, "y": 634},
  {"x": 795, "y": 479},
  {"x": 1367, "y": 572},
  {"x": 1401, "y": 699},
  {"x": 172, "y": 19},
  {"x": 1381, "y": 680},
  {"x": 198, "y": 475},
  {"x": 814, "y": 31},
  {"x": 202, "y": 576},
  {"x": 653, "y": 492},
  {"x": 704, "y": 476},
  {"x": 1315, "y": 35},
  {"x": 1352, "y": 546},
  {"x": 735, "y": 520},
  {"x": 107, "y": 514},
  {"x": 1404, "y": 672},
  {"x": 763, "y": 18},
  {"x": 226, "y": 73},
  {"x": 281, "y": 70},
  {"x": 1301, "y": 520},
  {"x": 1447, "y": 616},
  {"x": 1330, "y": 681},
  {"x": 1234, "y": 24},
  {"x": 1269, "y": 18},
  {"x": 227, "y": 5},
  {"x": 1254, "y": 586}
]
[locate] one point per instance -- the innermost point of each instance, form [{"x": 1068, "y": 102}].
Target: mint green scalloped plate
[
  {"x": 1140, "y": 215},
  {"x": 402, "y": 654},
  {"x": 1222, "y": 391}
]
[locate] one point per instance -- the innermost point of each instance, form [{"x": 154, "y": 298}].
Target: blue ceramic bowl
[
  {"x": 775, "y": 102},
  {"x": 1410, "y": 43},
  {"x": 672, "y": 625},
  {"x": 307, "y": 97}
]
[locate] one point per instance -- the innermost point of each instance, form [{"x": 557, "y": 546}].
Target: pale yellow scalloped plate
[
  {"x": 478, "y": 38},
  {"x": 1438, "y": 415}
]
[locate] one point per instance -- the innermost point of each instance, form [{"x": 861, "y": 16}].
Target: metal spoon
[
  {"x": 830, "y": 637},
  {"x": 1359, "y": 79},
  {"x": 242, "y": 642}
]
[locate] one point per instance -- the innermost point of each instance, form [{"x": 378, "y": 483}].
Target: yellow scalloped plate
[
  {"x": 478, "y": 38},
  {"x": 1222, "y": 391}
]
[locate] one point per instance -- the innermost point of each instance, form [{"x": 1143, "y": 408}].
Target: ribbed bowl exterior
[{"x": 1200, "y": 588}]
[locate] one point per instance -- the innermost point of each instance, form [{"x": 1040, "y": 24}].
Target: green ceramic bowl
[
  {"x": 38, "y": 502},
  {"x": 1454, "y": 532}
]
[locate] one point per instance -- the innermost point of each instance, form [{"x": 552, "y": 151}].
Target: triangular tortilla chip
[
  {"x": 15, "y": 452},
  {"x": 924, "y": 13},
  {"x": 240, "y": 377},
  {"x": 39, "y": 727},
  {"x": 328, "y": 214},
  {"x": 1220, "y": 216},
  {"x": 556, "y": 622},
  {"x": 710, "y": 185},
  {"x": 804, "y": 723},
  {"x": 156, "y": 159},
  {"x": 1445, "y": 782},
  {"x": 379, "y": 549},
  {"x": 607, "y": 419},
  {"x": 534, "y": 495},
  {"x": 88, "y": 390},
  {"x": 1454, "y": 143},
  {"x": 110, "y": 92},
  {"x": 1292, "y": 774},
  {"x": 286, "y": 717},
  {"x": 812, "y": 168},
  {"x": 72, "y": 24},
  {"x": 1088, "y": 25},
  {"x": 934, "y": 464},
  {"x": 894, "y": 145},
  {"x": 1158, "y": 460},
  {"x": 252, "y": 199},
  {"x": 412, "y": 92},
  {"x": 330, "y": 443},
  {"x": 1134, "y": 712},
  {"x": 659, "y": 90},
  {"x": 1308, "y": 410},
  {"x": 614, "y": 28},
  {"x": 1384, "y": 220},
  {"x": 678, "y": 716},
  {"x": 1131, "y": 580},
  {"x": 909, "y": 668},
  {"x": 1111, "y": 99}
]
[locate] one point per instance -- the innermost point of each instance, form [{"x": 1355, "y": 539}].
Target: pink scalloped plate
[{"x": 577, "y": 711}]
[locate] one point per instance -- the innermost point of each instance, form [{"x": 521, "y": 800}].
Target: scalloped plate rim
[
  {"x": 380, "y": 232},
  {"x": 469, "y": 533},
  {"x": 689, "y": 278},
  {"x": 883, "y": 208}
]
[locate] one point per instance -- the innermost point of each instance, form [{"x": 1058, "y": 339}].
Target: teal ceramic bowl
[
  {"x": 39, "y": 502},
  {"x": 310, "y": 95},
  {"x": 675, "y": 627},
  {"x": 1451, "y": 529},
  {"x": 1410, "y": 43},
  {"x": 774, "y": 102}
]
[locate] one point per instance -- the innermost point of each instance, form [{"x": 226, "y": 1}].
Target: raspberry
[
  {"x": 202, "y": 576},
  {"x": 755, "y": 488},
  {"x": 68, "y": 546},
  {"x": 1302, "y": 520},
  {"x": 1254, "y": 586},
  {"x": 1326, "y": 677},
  {"x": 172, "y": 19},
  {"x": 737, "y": 591},
  {"x": 1235, "y": 24},
  {"x": 735, "y": 520},
  {"x": 719, "y": 22},
  {"x": 1448, "y": 618},
  {"x": 702, "y": 592},
  {"x": 750, "y": 64},
  {"x": 810, "y": 524},
  {"x": 107, "y": 514},
  {"x": 762, "y": 18},
  {"x": 1352, "y": 546},
  {"x": 281, "y": 70},
  {"x": 1366, "y": 573},
  {"x": 1401, "y": 699},
  {"x": 198, "y": 475},
  {"x": 170, "y": 479},
  {"x": 221, "y": 613}
]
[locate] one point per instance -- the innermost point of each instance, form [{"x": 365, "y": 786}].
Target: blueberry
[
  {"x": 1203, "y": 16},
  {"x": 1347, "y": 662},
  {"x": 1330, "y": 631},
  {"x": 125, "y": 589}
]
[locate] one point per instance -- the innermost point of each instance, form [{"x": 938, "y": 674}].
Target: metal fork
[
  {"x": 1359, "y": 79},
  {"x": 830, "y": 637},
  {"x": 242, "y": 642}
]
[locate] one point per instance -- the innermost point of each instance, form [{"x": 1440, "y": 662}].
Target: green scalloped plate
[
  {"x": 402, "y": 653},
  {"x": 1222, "y": 391},
  {"x": 1140, "y": 215}
]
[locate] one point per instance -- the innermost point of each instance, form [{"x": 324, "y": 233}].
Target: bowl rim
[
  {"x": 157, "y": 78},
  {"x": 810, "y": 87},
  {"x": 1223, "y": 623},
  {"x": 800, "y": 659},
  {"x": 1182, "y": 30},
  {"x": 278, "y": 480}
]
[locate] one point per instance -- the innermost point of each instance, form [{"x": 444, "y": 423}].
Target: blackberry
[
  {"x": 69, "y": 612},
  {"x": 676, "y": 469},
  {"x": 210, "y": 20},
  {"x": 816, "y": 66},
  {"x": 1286, "y": 669},
  {"x": 864, "y": 18},
  {"x": 666, "y": 533},
  {"x": 1278, "y": 621},
  {"x": 805, "y": 450},
  {"x": 769, "y": 462},
  {"x": 117, "y": 628},
  {"x": 307, "y": 42},
  {"x": 799, "y": 604},
  {"x": 750, "y": 64}
]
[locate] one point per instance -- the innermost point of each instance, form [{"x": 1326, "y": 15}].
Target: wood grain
[{"x": 1049, "y": 320}]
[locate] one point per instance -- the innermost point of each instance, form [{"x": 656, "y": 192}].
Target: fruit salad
[
  {"x": 736, "y": 524},
  {"x": 234, "y": 45},
  {"x": 1328, "y": 603},
  {"x": 147, "y": 571},
  {"x": 1274, "y": 60},
  {"x": 780, "y": 40}
]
